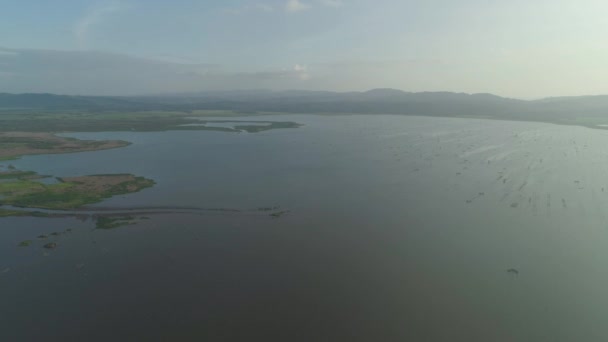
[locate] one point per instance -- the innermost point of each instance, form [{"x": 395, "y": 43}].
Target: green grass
[
  {"x": 11, "y": 142},
  {"x": 9, "y": 213},
  {"x": 20, "y": 187},
  {"x": 50, "y": 199},
  {"x": 13, "y": 213},
  {"x": 17, "y": 174}
]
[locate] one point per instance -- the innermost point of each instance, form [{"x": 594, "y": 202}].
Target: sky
[{"x": 516, "y": 48}]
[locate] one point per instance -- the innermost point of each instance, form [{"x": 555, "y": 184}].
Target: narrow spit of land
[
  {"x": 16, "y": 144},
  {"x": 148, "y": 121}
]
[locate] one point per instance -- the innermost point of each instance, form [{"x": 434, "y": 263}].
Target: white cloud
[
  {"x": 332, "y": 3},
  {"x": 94, "y": 17},
  {"x": 301, "y": 72},
  {"x": 296, "y": 6}
]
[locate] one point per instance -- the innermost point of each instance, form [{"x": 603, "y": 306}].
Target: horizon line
[{"x": 201, "y": 92}]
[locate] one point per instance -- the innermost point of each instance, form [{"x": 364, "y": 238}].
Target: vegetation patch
[
  {"x": 69, "y": 193},
  {"x": 279, "y": 214},
  {"x": 15, "y": 144},
  {"x": 25, "y": 243},
  {"x": 19, "y": 175},
  {"x": 50, "y": 245},
  {"x": 8, "y": 213},
  {"x": 271, "y": 125},
  {"x": 9, "y": 158},
  {"x": 267, "y": 208},
  {"x": 107, "y": 222}
]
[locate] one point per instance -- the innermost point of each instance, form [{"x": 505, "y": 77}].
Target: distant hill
[
  {"x": 66, "y": 102},
  {"x": 376, "y": 101}
]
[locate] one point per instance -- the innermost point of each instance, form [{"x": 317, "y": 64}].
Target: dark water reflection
[{"x": 400, "y": 229}]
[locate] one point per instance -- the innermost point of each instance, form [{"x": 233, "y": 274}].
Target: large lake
[{"x": 399, "y": 229}]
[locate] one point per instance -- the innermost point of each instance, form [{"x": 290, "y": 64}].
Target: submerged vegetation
[
  {"x": 279, "y": 213},
  {"x": 108, "y": 222},
  {"x": 50, "y": 245},
  {"x": 25, "y": 243}
]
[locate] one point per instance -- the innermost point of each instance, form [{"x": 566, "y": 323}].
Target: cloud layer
[{"x": 97, "y": 73}]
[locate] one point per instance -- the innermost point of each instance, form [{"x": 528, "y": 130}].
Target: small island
[{"x": 68, "y": 193}]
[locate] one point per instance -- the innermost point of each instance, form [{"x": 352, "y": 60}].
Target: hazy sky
[{"x": 517, "y": 48}]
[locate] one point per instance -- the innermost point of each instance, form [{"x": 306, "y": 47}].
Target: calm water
[{"x": 400, "y": 229}]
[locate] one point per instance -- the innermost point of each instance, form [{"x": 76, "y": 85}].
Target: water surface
[{"x": 399, "y": 228}]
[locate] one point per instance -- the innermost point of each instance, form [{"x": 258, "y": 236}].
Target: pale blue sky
[{"x": 513, "y": 48}]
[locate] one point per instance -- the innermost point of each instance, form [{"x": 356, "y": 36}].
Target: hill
[{"x": 585, "y": 110}]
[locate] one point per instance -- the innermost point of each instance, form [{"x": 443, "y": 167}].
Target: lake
[{"x": 399, "y": 229}]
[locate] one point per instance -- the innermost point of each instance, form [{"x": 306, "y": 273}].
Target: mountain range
[{"x": 581, "y": 109}]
